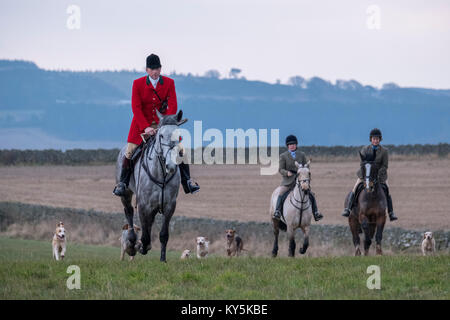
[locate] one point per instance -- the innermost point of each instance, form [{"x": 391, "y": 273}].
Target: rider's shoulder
[
  {"x": 301, "y": 153},
  {"x": 140, "y": 80},
  {"x": 167, "y": 80},
  {"x": 285, "y": 153}
]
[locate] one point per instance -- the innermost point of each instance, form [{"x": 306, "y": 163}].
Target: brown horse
[{"x": 369, "y": 213}]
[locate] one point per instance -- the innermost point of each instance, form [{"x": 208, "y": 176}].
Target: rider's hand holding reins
[{"x": 150, "y": 131}]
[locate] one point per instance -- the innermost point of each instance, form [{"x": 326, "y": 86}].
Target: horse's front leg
[
  {"x": 276, "y": 232},
  {"x": 366, "y": 228},
  {"x": 354, "y": 228},
  {"x": 129, "y": 213},
  {"x": 381, "y": 220},
  {"x": 291, "y": 238},
  {"x": 147, "y": 217},
  {"x": 305, "y": 240},
  {"x": 164, "y": 234}
]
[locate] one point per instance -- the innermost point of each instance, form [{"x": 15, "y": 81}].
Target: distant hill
[{"x": 62, "y": 109}]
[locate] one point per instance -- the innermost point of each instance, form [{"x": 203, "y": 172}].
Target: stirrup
[
  {"x": 318, "y": 216},
  {"x": 122, "y": 187},
  {"x": 191, "y": 184},
  {"x": 277, "y": 215},
  {"x": 392, "y": 216},
  {"x": 346, "y": 212}
]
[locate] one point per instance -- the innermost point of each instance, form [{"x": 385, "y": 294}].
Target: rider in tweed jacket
[
  {"x": 288, "y": 171},
  {"x": 381, "y": 161}
]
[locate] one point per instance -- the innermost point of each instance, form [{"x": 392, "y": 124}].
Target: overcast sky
[{"x": 374, "y": 42}]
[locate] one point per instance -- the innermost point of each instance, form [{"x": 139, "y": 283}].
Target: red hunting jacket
[{"x": 144, "y": 101}]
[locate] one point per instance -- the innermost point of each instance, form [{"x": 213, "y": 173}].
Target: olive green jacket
[
  {"x": 381, "y": 160},
  {"x": 287, "y": 163}
]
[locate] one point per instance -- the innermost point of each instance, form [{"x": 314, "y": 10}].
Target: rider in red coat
[
  {"x": 149, "y": 93},
  {"x": 145, "y": 99}
]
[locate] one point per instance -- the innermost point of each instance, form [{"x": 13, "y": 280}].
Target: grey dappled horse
[
  {"x": 369, "y": 213},
  {"x": 155, "y": 181},
  {"x": 297, "y": 211}
]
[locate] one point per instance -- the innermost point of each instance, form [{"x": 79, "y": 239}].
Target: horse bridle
[
  {"x": 367, "y": 177},
  {"x": 162, "y": 162},
  {"x": 160, "y": 154},
  {"x": 303, "y": 200}
]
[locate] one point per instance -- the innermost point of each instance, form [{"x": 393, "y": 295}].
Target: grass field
[{"x": 27, "y": 271}]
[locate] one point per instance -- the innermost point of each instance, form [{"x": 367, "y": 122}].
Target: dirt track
[{"x": 420, "y": 190}]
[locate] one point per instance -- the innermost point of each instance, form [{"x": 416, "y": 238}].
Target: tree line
[{"x": 109, "y": 156}]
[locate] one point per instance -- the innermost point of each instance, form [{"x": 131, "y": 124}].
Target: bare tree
[
  {"x": 234, "y": 72},
  {"x": 296, "y": 81},
  {"x": 212, "y": 74}
]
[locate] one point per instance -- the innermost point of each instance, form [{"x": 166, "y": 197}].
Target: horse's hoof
[
  {"x": 143, "y": 251},
  {"x": 379, "y": 251},
  {"x": 357, "y": 252}
]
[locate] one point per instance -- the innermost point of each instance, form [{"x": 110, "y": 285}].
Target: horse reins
[
  {"x": 162, "y": 160},
  {"x": 302, "y": 200}
]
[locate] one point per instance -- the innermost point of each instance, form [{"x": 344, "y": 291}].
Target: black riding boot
[
  {"x": 348, "y": 209},
  {"x": 279, "y": 205},
  {"x": 186, "y": 181},
  {"x": 391, "y": 213},
  {"x": 316, "y": 213},
  {"x": 125, "y": 175},
  {"x": 277, "y": 213}
]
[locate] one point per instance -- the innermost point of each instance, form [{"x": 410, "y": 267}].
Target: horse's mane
[{"x": 168, "y": 120}]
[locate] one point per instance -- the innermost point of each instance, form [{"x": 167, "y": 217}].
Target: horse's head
[
  {"x": 303, "y": 175},
  {"x": 369, "y": 171},
  {"x": 168, "y": 139}
]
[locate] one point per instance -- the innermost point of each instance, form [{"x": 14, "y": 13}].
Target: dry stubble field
[{"x": 420, "y": 189}]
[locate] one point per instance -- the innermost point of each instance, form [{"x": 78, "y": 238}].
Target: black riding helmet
[
  {"x": 375, "y": 133},
  {"x": 291, "y": 139}
]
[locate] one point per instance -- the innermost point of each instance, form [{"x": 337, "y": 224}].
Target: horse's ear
[
  {"x": 180, "y": 121},
  {"x": 159, "y": 114},
  {"x": 179, "y": 115},
  {"x": 297, "y": 164},
  {"x": 309, "y": 161}
]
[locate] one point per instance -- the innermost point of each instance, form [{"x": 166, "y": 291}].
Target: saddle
[
  {"x": 283, "y": 198},
  {"x": 137, "y": 152},
  {"x": 360, "y": 187}
]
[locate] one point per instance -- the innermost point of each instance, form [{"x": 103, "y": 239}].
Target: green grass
[{"x": 27, "y": 271}]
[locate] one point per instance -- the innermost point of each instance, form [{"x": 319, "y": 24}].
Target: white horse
[{"x": 297, "y": 211}]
